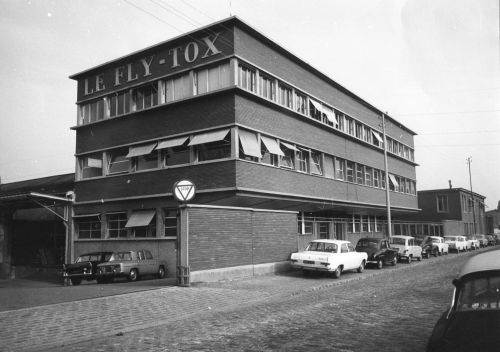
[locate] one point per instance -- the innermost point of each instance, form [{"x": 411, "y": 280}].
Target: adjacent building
[{"x": 493, "y": 221}]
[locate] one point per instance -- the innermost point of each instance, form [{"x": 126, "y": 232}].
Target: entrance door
[{"x": 324, "y": 230}]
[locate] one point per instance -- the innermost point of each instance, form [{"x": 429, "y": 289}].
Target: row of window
[
  {"x": 468, "y": 204},
  {"x": 209, "y": 79},
  {"x": 134, "y": 224},
  {"x": 152, "y": 94},
  {"x": 266, "y": 86},
  {"x": 252, "y": 146}
]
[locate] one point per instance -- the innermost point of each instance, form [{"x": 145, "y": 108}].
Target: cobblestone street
[{"x": 393, "y": 309}]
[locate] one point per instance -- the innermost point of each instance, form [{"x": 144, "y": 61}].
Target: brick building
[{"x": 279, "y": 153}]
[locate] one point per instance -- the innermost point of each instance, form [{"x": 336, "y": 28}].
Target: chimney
[{"x": 449, "y": 182}]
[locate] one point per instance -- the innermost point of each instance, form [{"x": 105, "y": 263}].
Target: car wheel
[
  {"x": 337, "y": 272},
  {"x": 409, "y": 260},
  {"x": 395, "y": 261},
  {"x": 76, "y": 282},
  {"x": 100, "y": 281},
  {"x": 380, "y": 264},
  {"x": 161, "y": 272},
  {"x": 133, "y": 275},
  {"x": 361, "y": 267},
  {"x": 419, "y": 258},
  {"x": 439, "y": 252}
]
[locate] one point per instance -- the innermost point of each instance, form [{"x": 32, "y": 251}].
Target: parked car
[
  {"x": 408, "y": 249},
  {"x": 85, "y": 267},
  {"x": 332, "y": 256},
  {"x": 379, "y": 251},
  {"x": 482, "y": 240},
  {"x": 491, "y": 240},
  {"x": 472, "y": 321},
  {"x": 428, "y": 248},
  {"x": 132, "y": 265},
  {"x": 473, "y": 242},
  {"x": 456, "y": 243},
  {"x": 443, "y": 247}
]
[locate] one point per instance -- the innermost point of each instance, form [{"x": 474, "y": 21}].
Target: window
[
  {"x": 350, "y": 125},
  {"x": 300, "y": 102},
  {"x": 118, "y": 161},
  {"x": 249, "y": 146},
  {"x": 287, "y": 159},
  {"x": 316, "y": 163},
  {"x": 270, "y": 151},
  {"x": 365, "y": 222},
  {"x": 368, "y": 176},
  {"x": 210, "y": 79},
  {"x": 407, "y": 186},
  {"x": 357, "y": 223},
  {"x": 212, "y": 145},
  {"x": 146, "y": 97},
  {"x": 246, "y": 78},
  {"x": 170, "y": 223},
  {"x": 412, "y": 155},
  {"x": 176, "y": 88},
  {"x": 116, "y": 225},
  {"x": 146, "y": 231},
  {"x": 267, "y": 88},
  {"x": 174, "y": 151},
  {"x": 91, "y": 165},
  {"x": 339, "y": 169},
  {"x": 382, "y": 179},
  {"x": 340, "y": 119},
  {"x": 359, "y": 130},
  {"x": 393, "y": 183},
  {"x": 285, "y": 95},
  {"x": 315, "y": 110},
  {"x": 350, "y": 171},
  {"x": 143, "y": 223},
  {"x": 91, "y": 112},
  {"x": 144, "y": 157},
  {"x": 89, "y": 227},
  {"x": 308, "y": 227},
  {"x": 389, "y": 144},
  {"x": 367, "y": 134},
  {"x": 442, "y": 203},
  {"x": 360, "y": 174},
  {"x": 119, "y": 103},
  {"x": 377, "y": 140},
  {"x": 302, "y": 157},
  {"x": 376, "y": 178}
]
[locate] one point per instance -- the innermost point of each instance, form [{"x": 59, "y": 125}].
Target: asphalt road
[{"x": 393, "y": 309}]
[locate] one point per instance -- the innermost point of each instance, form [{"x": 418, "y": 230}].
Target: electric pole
[{"x": 469, "y": 159}]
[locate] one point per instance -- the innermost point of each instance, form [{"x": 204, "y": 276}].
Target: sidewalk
[{"x": 65, "y": 323}]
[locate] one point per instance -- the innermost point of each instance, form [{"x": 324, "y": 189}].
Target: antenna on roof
[{"x": 230, "y": 8}]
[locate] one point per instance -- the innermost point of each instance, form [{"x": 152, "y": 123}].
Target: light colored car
[
  {"x": 473, "y": 242},
  {"x": 483, "y": 240},
  {"x": 456, "y": 243},
  {"x": 333, "y": 256},
  {"x": 408, "y": 248},
  {"x": 132, "y": 265},
  {"x": 443, "y": 247}
]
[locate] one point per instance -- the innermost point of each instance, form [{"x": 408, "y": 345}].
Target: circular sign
[{"x": 184, "y": 190}]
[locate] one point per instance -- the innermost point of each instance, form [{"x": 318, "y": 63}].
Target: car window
[
  {"x": 117, "y": 256},
  {"x": 351, "y": 247},
  {"x": 384, "y": 244},
  {"x": 396, "y": 240},
  {"x": 322, "y": 247},
  {"x": 411, "y": 242},
  {"x": 367, "y": 243},
  {"x": 140, "y": 255},
  {"x": 148, "y": 255},
  {"x": 480, "y": 294},
  {"x": 344, "y": 248}
]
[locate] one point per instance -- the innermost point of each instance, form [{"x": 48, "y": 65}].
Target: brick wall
[{"x": 223, "y": 237}]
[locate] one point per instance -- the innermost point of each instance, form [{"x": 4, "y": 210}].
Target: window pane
[
  {"x": 316, "y": 163},
  {"x": 118, "y": 162},
  {"x": 91, "y": 166},
  {"x": 202, "y": 77},
  {"x": 339, "y": 169},
  {"x": 213, "y": 78},
  {"x": 116, "y": 225},
  {"x": 350, "y": 171},
  {"x": 149, "y": 161},
  {"x": 89, "y": 227},
  {"x": 177, "y": 155}
]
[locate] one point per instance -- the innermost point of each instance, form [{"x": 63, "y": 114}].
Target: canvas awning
[
  {"x": 249, "y": 143},
  {"x": 140, "y": 150},
  {"x": 209, "y": 137},
  {"x": 170, "y": 143},
  {"x": 140, "y": 218},
  {"x": 272, "y": 146}
]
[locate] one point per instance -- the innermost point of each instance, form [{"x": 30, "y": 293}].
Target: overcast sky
[{"x": 433, "y": 65}]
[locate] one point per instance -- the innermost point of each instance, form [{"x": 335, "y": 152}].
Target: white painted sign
[{"x": 184, "y": 190}]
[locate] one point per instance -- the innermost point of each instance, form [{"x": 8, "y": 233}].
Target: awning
[
  {"x": 92, "y": 162},
  {"x": 140, "y": 218},
  {"x": 330, "y": 114},
  {"x": 393, "y": 180},
  {"x": 249, "y": 143},
  {"x": 169, "y": 143},
  {"x": 289, "y": 146},
  {"x": 209, "y": 137},
  {"x": 140, "y": 150},
  {"x": 272, "y": 146},
  {"x": 86, "y": 215},
  {"x": 316, "y": 104},
  {"x": 377, "y": 135}
]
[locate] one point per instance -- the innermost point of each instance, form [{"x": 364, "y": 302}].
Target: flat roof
[
  {"x": 449, "y": 190},
  {"x": 234, "y": 20}
]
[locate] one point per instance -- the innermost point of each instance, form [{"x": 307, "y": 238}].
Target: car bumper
[
  {"x": 85, "y": 276},
  {"x": 312, "y": 267}
]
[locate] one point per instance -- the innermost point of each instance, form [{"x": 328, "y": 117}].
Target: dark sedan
[
  {"x": 85, "y": 267},
  {"x": 379, "y": 251},
  {"x": 472, "y": 322}
]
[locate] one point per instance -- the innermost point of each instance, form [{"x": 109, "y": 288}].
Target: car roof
[
  {"x": 481, "y": 262},
  {"x": 400, "y": 236},
  {"x": 372, "y": 238},
  {"x": 332, "y": 241},
  {"x": 93, "y": 253}
]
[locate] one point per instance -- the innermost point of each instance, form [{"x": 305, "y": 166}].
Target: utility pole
[
  {"x": 469, "y": 159},
  {"x": 386, "y": 169}
]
